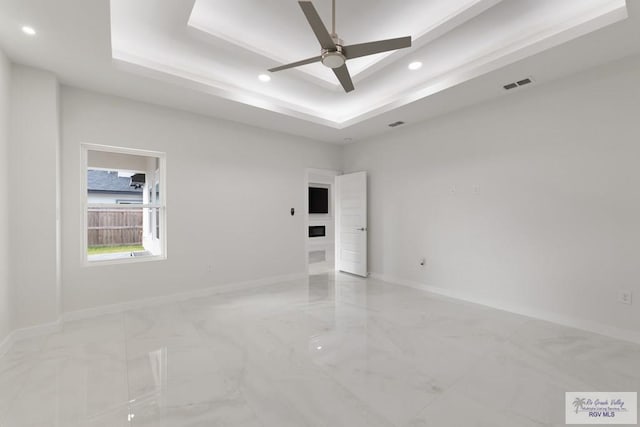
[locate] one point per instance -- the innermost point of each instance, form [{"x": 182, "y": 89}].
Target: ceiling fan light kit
[
  {"x": 333, "y": 58},
  {"x": 334, "y": 54}
]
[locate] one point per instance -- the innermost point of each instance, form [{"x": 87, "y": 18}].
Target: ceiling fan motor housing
[{"x": 334, "y": 58}]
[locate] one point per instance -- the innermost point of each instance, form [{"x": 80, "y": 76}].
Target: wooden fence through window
[{"x": 114, "y": 227}]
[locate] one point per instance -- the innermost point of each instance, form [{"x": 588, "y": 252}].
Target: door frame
[{"x": 330, "y": 173}]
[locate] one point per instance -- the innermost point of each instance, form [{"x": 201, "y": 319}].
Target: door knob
[{"x": 362, "y": 229}]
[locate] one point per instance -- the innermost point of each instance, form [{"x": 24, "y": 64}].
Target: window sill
[{"x": 119, "y": 261}]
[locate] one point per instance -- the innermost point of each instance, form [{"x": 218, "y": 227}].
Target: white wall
[
  {"x": 5, "y": 293},
  {"x": 532, "y": 200},
  {"x": 230, "y": 188},
  {"x": 34, "y": 193}
]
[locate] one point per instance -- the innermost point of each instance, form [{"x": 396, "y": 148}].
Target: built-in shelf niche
[{"x": 317, "y": 231}]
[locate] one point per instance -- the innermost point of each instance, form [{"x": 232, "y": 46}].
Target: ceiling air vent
[
  {"x": 517, "y": 84},
  {"x": 395, "y": 124}
]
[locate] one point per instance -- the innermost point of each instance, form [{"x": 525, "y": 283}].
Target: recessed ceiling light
[
  {"x": 264, "y": 78},
  {"x": 415, "y": 65},
  {"x": 28, "y": 30}
]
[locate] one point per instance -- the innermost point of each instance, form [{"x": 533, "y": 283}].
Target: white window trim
[{"x": 85, "y": 205}]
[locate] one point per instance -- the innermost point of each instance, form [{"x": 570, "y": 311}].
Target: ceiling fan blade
[
  {"x": 297, "y": 64},
  {"x": 342, "y": 73},
  {"x": 321, "y": 32},
  {"x": 364, "y": 49}
]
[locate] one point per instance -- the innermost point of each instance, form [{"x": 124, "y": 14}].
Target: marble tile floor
[{"x": 333, "y": 350}]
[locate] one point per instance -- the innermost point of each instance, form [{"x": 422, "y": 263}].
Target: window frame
[{"x": 161, "y": 204}]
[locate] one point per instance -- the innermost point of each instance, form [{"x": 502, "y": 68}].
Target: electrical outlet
[{"x": 625, "y": 297}]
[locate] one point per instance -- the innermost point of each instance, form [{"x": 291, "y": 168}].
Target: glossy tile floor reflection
[{"x": 333, "y": 351}]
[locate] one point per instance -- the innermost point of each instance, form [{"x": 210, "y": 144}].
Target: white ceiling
[
  {"x": 280, "y": 32},
  {"x": 205, "y": 55}
]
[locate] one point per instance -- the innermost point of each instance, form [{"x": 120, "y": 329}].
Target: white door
[{"x": 351, "y": 195}]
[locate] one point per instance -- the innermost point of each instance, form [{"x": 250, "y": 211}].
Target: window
[{"x": 124, "y": 207}]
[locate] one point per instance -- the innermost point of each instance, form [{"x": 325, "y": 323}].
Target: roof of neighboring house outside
[{"x": 109, "y": 182}]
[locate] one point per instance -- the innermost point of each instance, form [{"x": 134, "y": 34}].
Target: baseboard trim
[
  {"x": 572, "y": 322},
  {"x": 37, "y": 330},
  {"x": 28, "y": 332},
  {"x": 6, "y": 344},
  {"x": 183, "y": 296}
]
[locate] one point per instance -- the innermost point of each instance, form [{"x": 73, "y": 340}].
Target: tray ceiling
[
  {"x": 221, "y": 47},
  {"x": 205, "y": 56}
]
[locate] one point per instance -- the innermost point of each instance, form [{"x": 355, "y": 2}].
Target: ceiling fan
[{"x": 334, "y": 54}]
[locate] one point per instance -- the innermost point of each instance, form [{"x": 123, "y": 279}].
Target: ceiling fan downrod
[
  {"x": 333, "y": 58},
  {"x": 333, "y": 19}
]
